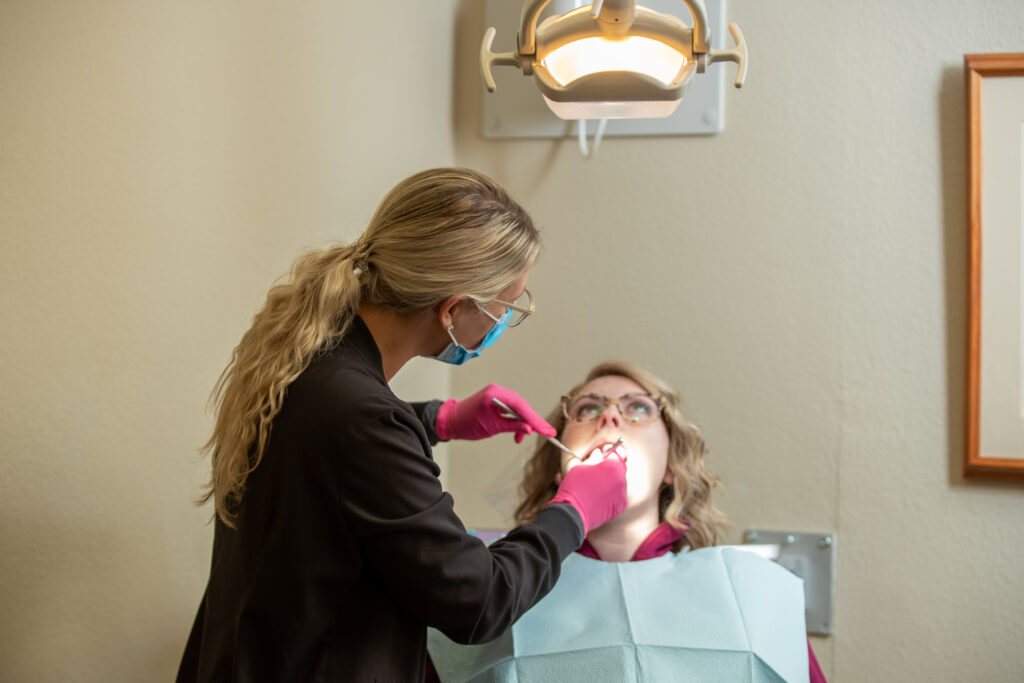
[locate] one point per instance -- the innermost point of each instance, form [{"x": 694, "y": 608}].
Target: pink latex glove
[
  {"x": 477, "y": 417},
  {"x": 598, "y": 491}
]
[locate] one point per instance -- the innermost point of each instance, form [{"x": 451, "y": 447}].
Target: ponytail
[{"x": 308, "y": 313}]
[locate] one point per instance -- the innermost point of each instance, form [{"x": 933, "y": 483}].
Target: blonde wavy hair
[
  {"x": 685, "y": 503},
  {"x": 438, "y": 233}
]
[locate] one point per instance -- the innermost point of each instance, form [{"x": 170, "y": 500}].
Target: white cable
[
  {"x": 581, "y": 124},
  {"x": 598, "y": 135},
  {"x": 581, "y": 135}
]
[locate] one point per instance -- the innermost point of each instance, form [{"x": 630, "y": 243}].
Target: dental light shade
[{"x": 612, "y": 59}]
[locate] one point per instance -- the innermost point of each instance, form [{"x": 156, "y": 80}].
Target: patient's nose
[{"x": 610, "y": 417}]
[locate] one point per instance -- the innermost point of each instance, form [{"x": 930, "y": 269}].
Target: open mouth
[{"x": 598, "y": 449}]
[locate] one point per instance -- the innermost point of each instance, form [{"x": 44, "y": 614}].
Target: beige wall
[
  {"x": 161, "y": 163},
  {"x": 799, "y": 277}
]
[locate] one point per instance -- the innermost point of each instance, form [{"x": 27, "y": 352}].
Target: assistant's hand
[
  {"x": 598, "y": 490},
  {"x": 477, "y": 417}
]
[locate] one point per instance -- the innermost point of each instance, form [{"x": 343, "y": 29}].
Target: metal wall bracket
[{"x": 811, "y": 557}]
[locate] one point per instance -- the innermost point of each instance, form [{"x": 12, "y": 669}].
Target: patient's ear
[
  {"x": 668, "y": 479},
  {"x": 558, "y": 478}
]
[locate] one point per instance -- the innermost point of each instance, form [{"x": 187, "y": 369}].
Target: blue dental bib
[{"x": 714, "y": 614}]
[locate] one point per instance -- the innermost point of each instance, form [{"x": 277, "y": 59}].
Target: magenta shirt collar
[{"x": 657, "y": 543}]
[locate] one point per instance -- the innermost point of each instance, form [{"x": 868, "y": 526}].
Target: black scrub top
[{"x": 346, "y": 547}]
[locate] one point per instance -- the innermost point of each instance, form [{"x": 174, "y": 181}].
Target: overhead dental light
[{"x": 613, "y": 58}]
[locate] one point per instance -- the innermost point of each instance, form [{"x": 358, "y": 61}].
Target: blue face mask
[{"x": 457, "y": 354}]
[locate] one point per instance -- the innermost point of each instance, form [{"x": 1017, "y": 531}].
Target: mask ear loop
[{"x": 451, "y": 334}]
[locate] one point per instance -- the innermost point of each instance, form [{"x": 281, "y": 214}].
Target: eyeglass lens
[
  {"x": 524, "y": 301},
  {"x": 634, "y": 408}
]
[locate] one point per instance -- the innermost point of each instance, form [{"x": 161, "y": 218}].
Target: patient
[
  {"x": 668, "y": 489},
  {"x": 639, "y": 607}
]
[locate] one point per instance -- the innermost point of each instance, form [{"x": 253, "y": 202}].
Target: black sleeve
[
  {"x": 427, "y": 413},
  {"x": 412, "y": 539}
]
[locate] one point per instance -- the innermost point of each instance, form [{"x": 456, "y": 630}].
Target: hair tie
[
  {"x": 360, "y": 267},
  {"x": 359, "y": 256}
]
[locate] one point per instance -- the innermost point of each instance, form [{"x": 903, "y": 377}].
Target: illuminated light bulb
[{"x": 595, "y": 55}]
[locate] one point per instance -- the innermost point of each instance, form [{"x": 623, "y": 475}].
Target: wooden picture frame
[{"x": 995, "y": 349}]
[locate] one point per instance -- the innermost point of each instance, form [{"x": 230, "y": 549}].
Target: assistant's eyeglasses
[
  {"x": 632, "y": 407},
  {"x": 518, "y": 310}
]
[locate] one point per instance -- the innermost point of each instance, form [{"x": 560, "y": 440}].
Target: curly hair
[
  {"x": 685, "y": 503},
  {"x": 438, "y": 233}
]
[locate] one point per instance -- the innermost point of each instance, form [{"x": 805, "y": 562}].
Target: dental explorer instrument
[{"x": 510, "y": 414}]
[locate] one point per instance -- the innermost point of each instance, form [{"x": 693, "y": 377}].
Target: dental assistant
[{"x": 334, "y": 543}]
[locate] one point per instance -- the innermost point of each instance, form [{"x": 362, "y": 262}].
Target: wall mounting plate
[
  {"x": 811, "y": 557},
  {"x": 517, "y": 110}
]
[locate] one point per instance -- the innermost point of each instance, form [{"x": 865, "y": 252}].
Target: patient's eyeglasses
[
  {"x": 520, "y": 309},
  {"x": 632, "y": 407}
]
